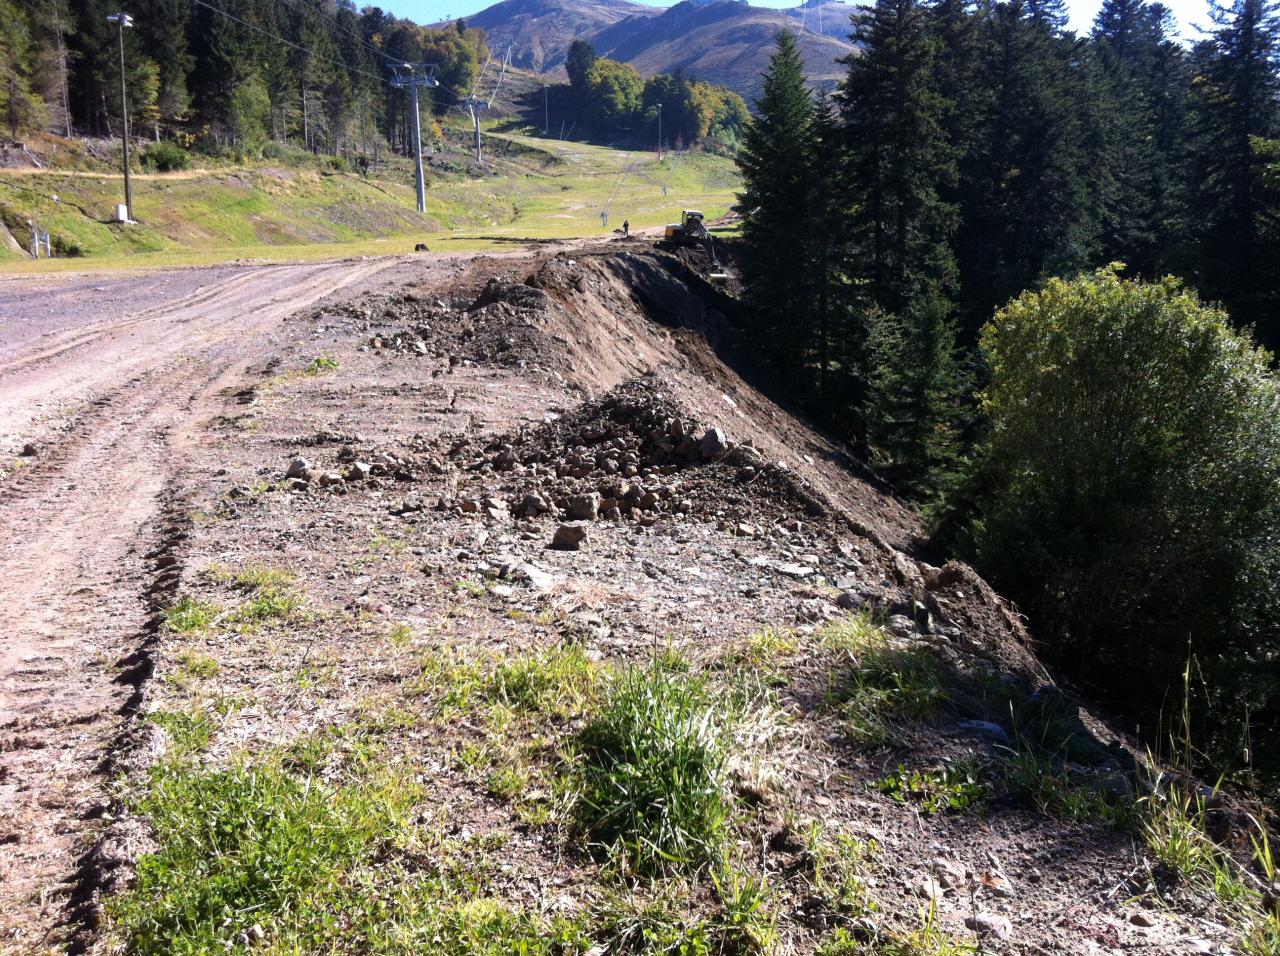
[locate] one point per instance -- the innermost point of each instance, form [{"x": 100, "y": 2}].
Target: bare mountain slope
[
  {"x": 539, "y": 31},
  {"x": 724, "y": 41},
  {"x": 826, "y": 17}
]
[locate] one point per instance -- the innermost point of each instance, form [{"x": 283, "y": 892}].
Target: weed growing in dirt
[
  {"x": 665, "y": 921},
  {"x": 878, "y": 685},
  {"x": 321, "y": 363},
  {"x": 259, "y": 577},
  {"x": 928, "y": 939},
  {"x": 400, "y": 636},
  {"x": 559, "y": 681},
  {"x": 652, "y": 771},
  {"x": 840, "y": 863},
  {"x": 1172, "y": 827},
  {"x": 951, "y": 787},
  {"x": 761, "y": 653},
  {"x": 190, "y": 616}
]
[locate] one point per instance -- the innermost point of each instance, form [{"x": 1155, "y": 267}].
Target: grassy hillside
[{"x": 527, "y": 188}]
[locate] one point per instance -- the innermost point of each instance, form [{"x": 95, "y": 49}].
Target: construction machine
[{"x": 690, "y": 231}]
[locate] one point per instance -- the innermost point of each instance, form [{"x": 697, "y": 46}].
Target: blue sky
[{"x": 1188, "y": 12}]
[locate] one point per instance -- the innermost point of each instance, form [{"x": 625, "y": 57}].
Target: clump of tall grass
[{"x": 653, "y": 759}]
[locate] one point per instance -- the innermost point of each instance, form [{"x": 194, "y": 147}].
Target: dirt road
[{"x": 103, "y": 377}]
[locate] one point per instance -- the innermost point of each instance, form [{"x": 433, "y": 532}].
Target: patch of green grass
[
  {"x": 877, "y": 685},
  {"x": 652, "y": 765},
  {"x": 763, "y": 653},
  {"x": 1044, "y": 781},
  {"x": 667, "y": 921},
  {"x": 474, "y": 588},
  {"x": 319, "y": 364},
  {"x": 953, "y": 787},
  {"x": 272, "y": 596},
  {"x": 197, "y": 665},
  {"x": 190, "y": 616},
  {"x": 255, "y": 857},
  {"x": 559, "y": 681},
  {"x": 189, "y": 731},
  {"x": 260, "y": 577},
  {"x": 265, "y": 606},
  {"x": 747, "y": 923},
  {"x": 1172, "y": 827}
]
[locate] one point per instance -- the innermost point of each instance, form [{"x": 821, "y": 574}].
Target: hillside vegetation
[{"x": 300, "y": 205}]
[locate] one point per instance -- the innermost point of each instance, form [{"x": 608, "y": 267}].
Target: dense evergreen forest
[
  {"x": 962, "y": 258},
  {"x": 226, "y": 74}
]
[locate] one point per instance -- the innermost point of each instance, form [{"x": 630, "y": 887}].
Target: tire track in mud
[{"x": 90, "y": 543}]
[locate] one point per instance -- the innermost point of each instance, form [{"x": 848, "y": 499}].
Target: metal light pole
[
  {"x": 413, "y": 82},
  {"x": 122, "y": 20}
]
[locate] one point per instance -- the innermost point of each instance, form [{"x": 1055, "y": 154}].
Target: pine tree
[
  {"x": 1027, "y": 207},
  {"x": 917, "y": 384},
  {"x": 1142, "y": 86},
  {"x": 899, "y": 157},
  {"x": 776, "y": 162},
  {"x": 834, "y": 296},
  {"x": 1235, "y": 100},
  {"x": 20, "y": 107}
]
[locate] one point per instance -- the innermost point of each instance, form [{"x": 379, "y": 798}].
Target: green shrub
[
  {"x": 1128, "y": 491},
  {"x": 653, "y": 764},
  {"x": 165, "y": 157}
]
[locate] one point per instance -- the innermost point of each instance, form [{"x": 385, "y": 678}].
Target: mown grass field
[{"x": 529, "y": 188}]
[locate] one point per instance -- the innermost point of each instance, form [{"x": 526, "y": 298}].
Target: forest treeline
[
  {"x": 227, "y": 74},
  {"x": 612, "y": 100},
  {"x": 233, "y": 75},
  {"x": 1106, "y": 446}
]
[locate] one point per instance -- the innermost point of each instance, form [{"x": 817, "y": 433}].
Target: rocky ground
[{"x": 563, "y": 464}]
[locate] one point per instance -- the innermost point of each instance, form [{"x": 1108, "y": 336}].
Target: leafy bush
[
  {"x": 1128, "y": 488},
  {"x": 653, "y": 764},
  {"x": 165, "y": 157}
]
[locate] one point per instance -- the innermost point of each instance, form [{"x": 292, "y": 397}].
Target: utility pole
[
  {"x": 659, "y": 132},
  {"x": 122, "y": 20},
  {"x": 546, "y": 111},
  {"x": 413, "y": 81}
]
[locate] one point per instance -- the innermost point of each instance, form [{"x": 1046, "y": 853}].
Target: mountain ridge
[{"x": 727, "y": 42}]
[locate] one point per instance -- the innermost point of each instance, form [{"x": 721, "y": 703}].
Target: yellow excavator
[{"x": 690, "y": 231}]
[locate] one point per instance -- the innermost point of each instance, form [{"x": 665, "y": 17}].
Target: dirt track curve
[{"x": 104, "y": 376}]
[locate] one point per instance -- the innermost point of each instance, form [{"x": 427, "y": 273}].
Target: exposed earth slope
[{"x": 323, "y": 582}]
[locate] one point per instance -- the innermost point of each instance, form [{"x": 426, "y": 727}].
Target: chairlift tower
[
  {"x": 406, "y": 76},
  {"x": 474, "y": 106}
]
